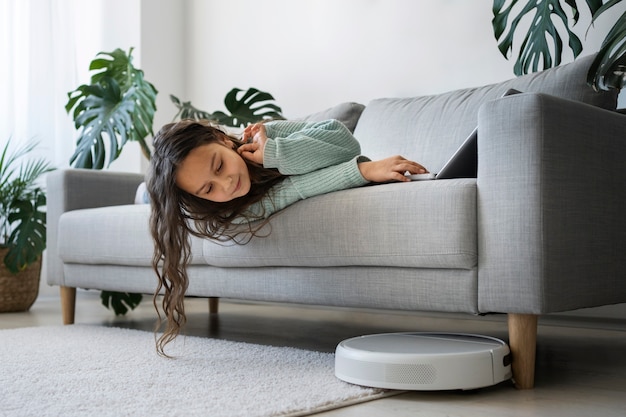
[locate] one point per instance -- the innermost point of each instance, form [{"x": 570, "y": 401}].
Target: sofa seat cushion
[
  {"x": 117, "y": 235},
  {"x": 422, "y": 224},
  {"x": 357, "y": 227}
]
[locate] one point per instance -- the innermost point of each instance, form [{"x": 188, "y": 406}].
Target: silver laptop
[{"x": 464, "y": 162}]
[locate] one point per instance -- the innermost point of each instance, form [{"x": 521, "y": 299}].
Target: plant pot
[{"x": 18, "y": 291}]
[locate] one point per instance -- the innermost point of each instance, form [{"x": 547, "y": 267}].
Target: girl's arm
[
  {"x": 354, "y": 173},
  {"x": 298, "y": 187},
  {"x": 296, "y": 147}
]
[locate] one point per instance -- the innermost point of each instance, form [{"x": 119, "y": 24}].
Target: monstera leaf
[
  {"x": 187, "y": 111},
  {"x": 118, "y": 104},
  {"x": 608, "y": 70},
  {"x": 120, "y": 302},
  {"x": 28, "y": 239},
  {"x": 250, "y": 107},
  {"x": 535, "y": 48}
]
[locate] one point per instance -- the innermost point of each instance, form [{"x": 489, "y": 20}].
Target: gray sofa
[{"x": 540, "y": 230}]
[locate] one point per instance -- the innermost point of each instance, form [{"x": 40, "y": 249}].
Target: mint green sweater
[{"x": 317, "y": 157}]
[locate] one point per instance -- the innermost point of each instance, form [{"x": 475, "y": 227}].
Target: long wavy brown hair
[{"x": 177, "y": 214}]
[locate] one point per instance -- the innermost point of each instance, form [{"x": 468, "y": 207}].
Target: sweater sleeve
[
  {"x": 296, "y": 147},
  {"x": 298, "y": 187}
]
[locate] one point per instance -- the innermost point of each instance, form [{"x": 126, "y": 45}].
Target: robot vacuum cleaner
[{"x": 423, "y": 361}]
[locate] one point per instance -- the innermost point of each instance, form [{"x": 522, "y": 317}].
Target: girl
[{"x": 206, "y": 183}]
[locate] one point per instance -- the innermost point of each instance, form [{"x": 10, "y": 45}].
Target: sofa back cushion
[
  {"x": 429, "y": 129},
  {"x": 347, "y": 113}
]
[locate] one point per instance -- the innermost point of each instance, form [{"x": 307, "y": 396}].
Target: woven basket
[{"x": 18, "y": 291}]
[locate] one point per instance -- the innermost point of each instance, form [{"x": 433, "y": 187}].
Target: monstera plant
[
  {"x": 542, "y": 46},
  {"x": 250, "y": 107},
  {"x": 118, "y": 106}
]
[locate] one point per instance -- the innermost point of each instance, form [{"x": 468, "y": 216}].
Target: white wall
[
  {"x": 164, "y": 55},
  {"x": 313, "y": 54}
]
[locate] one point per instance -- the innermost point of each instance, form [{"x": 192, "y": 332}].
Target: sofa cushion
[
  {"x": 429, "y": 129},
  {"x": 427, "y": 224},
  {"x": 117, "y": 235}
]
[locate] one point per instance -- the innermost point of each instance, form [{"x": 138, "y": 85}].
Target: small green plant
[
  {"x": 542, "y": 46},
  {"x": 22, "y": 218}
]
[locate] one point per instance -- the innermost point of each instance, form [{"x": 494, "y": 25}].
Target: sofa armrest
[
  {"x": 551, "y": 205},
  {"x": 74, "y": 189}
]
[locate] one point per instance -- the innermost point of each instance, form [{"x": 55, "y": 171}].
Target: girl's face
[{"x": 214, "y": 172}]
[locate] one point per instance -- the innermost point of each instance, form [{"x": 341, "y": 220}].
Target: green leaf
[
  {"x": 594, "y": 6},
  {"x": 116, "y": 64},
  {"x": 542, "y": 35},
  {"x": 251, "y": 107},
  {"x": 120, "y": 302},
  {"x": 103, "y": 111},
  {"x": 187, "y": 111},
  {"x": 8, "y": 161},
  {"x": 28, "y": 239},
  {"x": 608, "y": 70}
]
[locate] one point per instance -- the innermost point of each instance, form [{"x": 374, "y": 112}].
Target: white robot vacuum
[{"x": 423, "y": 361}]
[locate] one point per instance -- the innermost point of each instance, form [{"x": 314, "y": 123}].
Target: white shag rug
[{"x": 85, "y": 370}]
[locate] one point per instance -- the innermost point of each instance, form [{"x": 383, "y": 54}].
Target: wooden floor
[{"x": 581, "y": 364}]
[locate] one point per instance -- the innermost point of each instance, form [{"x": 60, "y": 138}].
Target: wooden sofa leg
[
  {"x": 214, "y": 303},
  {"x": 68, "y": 304},
  {"x": 523, "y": 344}
]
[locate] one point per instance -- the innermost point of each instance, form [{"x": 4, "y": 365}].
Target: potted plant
[{"x": 22, "y": 227}]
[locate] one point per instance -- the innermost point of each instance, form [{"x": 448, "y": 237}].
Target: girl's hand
[
  {"x": 257, "y": 136},
  {"x": 390, "y": 169}
]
